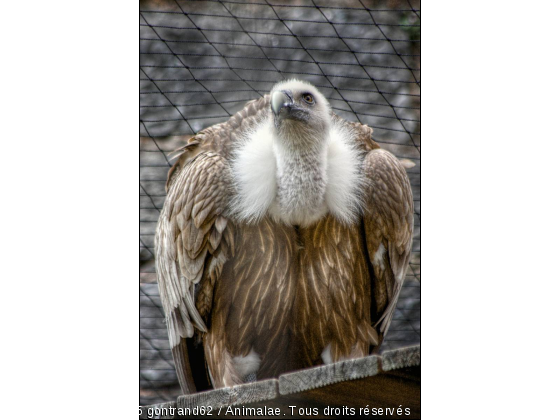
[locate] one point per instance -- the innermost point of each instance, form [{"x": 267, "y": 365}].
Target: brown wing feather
[
  {"x": 252, "y": 303},
  {"x": 194, "y": 238},
  {"x": 388, "y": 225},
  {"x": 333, "y": 300},
  {"x": 190, "y": 242}
]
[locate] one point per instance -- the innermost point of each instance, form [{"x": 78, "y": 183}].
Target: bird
[{"x": 283, "y": 242}]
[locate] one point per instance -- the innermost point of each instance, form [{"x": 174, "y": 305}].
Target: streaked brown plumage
[{"x": 296, "y": 295}]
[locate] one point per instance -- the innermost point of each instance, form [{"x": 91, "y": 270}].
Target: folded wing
[
  {"x": 192, "y": 244},
  {"x": 388, "y": 223}
]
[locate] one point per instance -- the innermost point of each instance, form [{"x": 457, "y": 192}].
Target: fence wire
[{"x": 202, "y": 60}]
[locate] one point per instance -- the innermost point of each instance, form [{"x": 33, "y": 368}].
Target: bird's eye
[{"x": 307, "y": 97}]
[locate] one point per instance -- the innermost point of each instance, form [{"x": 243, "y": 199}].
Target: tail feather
[{"x": 183, "y": 367}]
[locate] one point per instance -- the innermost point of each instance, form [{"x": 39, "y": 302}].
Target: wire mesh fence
[{"x": 202, "y": 60}]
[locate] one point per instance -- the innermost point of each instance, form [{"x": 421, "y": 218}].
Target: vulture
[{"x": 283, "y": 242}]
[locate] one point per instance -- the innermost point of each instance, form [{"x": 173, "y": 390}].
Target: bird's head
[{"x": 299, "y": 109}]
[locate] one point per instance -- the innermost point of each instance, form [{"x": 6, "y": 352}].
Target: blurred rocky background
[{"x": 202, "y": 60}]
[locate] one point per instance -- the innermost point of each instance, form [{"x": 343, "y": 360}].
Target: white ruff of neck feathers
[{"x": 332, "y": 183}]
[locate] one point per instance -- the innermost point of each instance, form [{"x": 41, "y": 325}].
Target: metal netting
[{"x": 202, "y": 60}]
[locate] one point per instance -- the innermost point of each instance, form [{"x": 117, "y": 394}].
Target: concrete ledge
[
  {"x": 239, "y": 394},
  {"x": 317, "y": 377},
  {"x": 400, "y": 358},
  {"x": 296, "y": 382}
]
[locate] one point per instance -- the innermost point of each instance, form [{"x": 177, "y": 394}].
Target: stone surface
[
  {"x": 400, "y": 358},
  {"x": 240, "y": 394},
  {"x": 354, "y": 383},
  {"x": 303, "y": 380}
]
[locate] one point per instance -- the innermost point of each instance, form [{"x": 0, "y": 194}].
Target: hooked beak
[{"x": 279, "y": 100}]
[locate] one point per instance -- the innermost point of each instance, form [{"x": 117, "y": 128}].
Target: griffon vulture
[{"x": 283, "y": 241}]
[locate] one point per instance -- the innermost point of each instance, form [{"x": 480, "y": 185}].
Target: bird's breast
[{"x": 296, "y": 187}]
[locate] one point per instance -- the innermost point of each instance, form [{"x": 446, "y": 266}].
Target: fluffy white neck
[{"x": 294, "y": 182}]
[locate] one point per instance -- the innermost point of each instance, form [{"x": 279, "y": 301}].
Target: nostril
[{"x": 288, "y": 93}]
